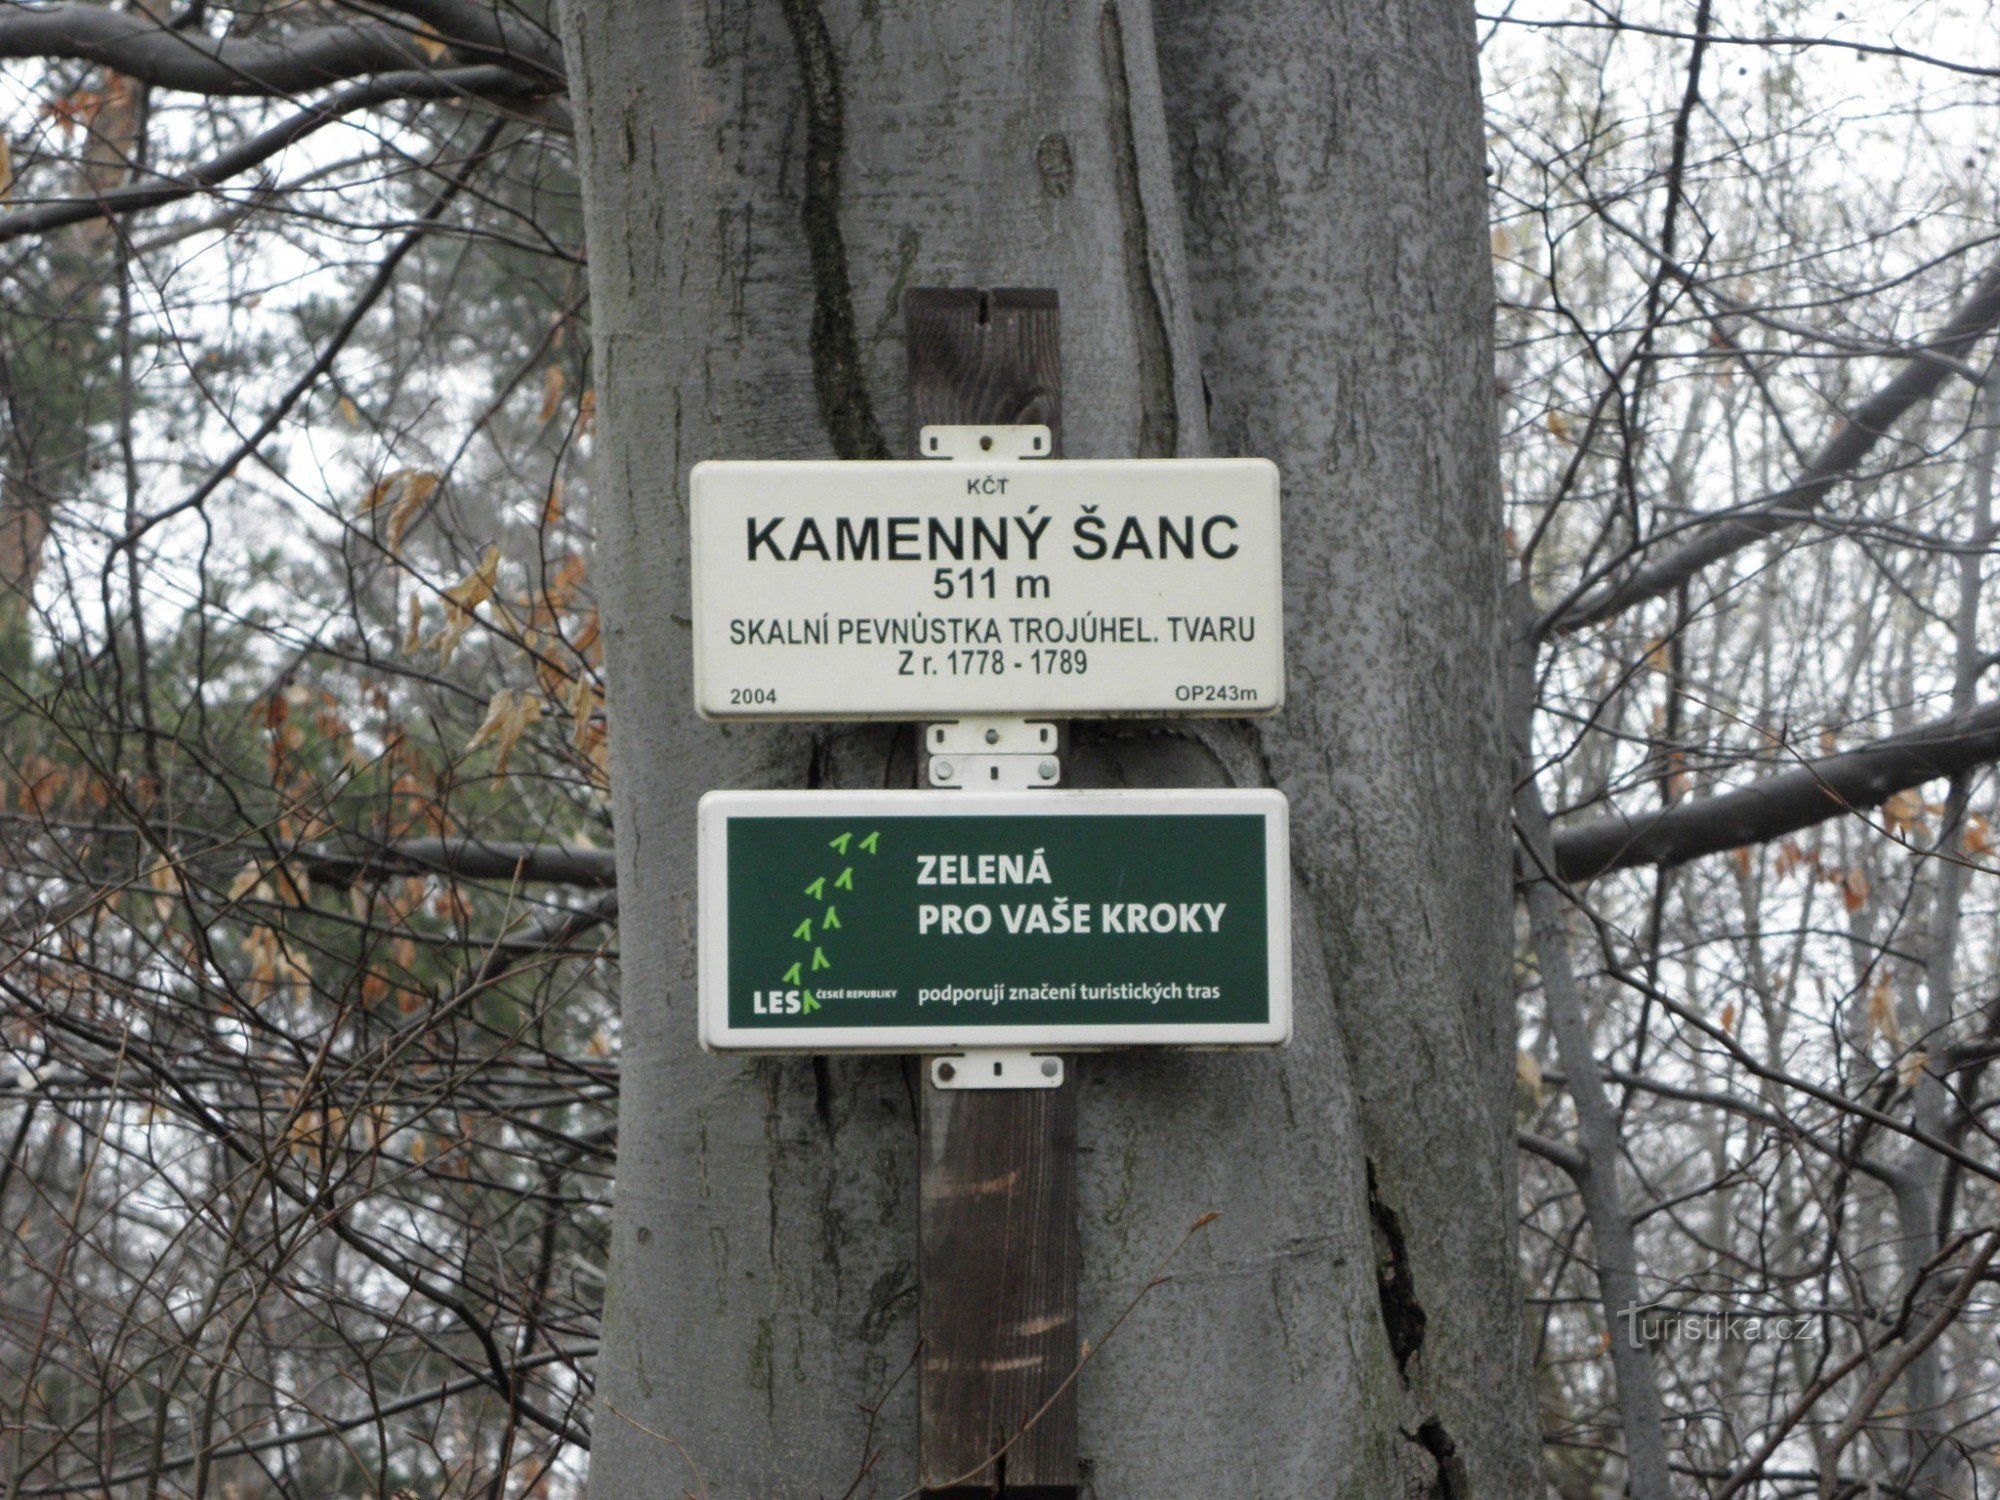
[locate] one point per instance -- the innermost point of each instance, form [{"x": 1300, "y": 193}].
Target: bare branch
[
  {"x": 1572, "y": 1163},
  {"x": 385, "y": 274},
  {"x": 1812, "y": 792},
  {"x": 194, "y": 62},
  {"x": 466, "y": 859},
  {"x": 493, "y": 33},
  {"x": 385, "y": 89},
  {"x": 1788, "y": 40},
  {"x": 436, "y": 1395},
  {"x": 1836, "y": 460},
  {"x": 1892, "y": 1369}
]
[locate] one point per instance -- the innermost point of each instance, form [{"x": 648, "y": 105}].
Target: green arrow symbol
[
  {"x": 811, "y": 1003},
  {"x": 804, "y": 931},
  {"x": 844, "y": 881},
  {"x": 831, "y": 921},
  {"x": 817, "y": 890},
  {"x": 839, "y": 845},
  {"x": 792, "y": 975},
  {"x": 869, "y": 843},
  {"x": 820, "y": 960}
]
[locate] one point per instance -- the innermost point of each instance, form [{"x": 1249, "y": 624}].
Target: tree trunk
[
  {"x": 762, "y": 183},
  {"x": 1333, "y": 167}
]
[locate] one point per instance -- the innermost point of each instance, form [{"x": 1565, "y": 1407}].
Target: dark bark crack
[
  {"x": 1402, "y": 1315},
  {"x": 839, "y": 382},
  {"x": 823, "y": 1093},
  {"x": 1452, "y": 1482},
  {"x": 1404, "y": 1320}
]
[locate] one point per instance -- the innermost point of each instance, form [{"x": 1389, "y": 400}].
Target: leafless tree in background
[
  {"x": 308, "y": 980},
  {"x": 1750, "y": 305},
  {"x": 308, "y": 1091}
]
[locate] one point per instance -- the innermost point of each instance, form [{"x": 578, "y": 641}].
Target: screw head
[
  {"x": 941, "y": 769},
  {"x": 992, "y": 736},
  {"x": 1050, "y": 1067},
  {"x": 1048, "y": 770},
  {"x": 946, "y": 1072}
]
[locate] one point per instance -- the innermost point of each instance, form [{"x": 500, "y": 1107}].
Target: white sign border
[
  {"x": 716, "y": 809},
  {"x": 940, "y": 706}
]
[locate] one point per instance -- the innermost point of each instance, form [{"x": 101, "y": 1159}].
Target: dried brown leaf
[
  {"x": 1529, "y": 1071},
  {"x": 248, "y": 879},
  {"x": 1978, "y": 836},
  {"x": 583, "y": 701},
  {"x": 165, "y": 887},
  {"x": 1854, "y": 890},
  {"x": 414, "y": 635},
  {"x": 405, "y": 492},
  {"x": 1882, "y": 1013},
  {"x": 508, "y": 715},
  {"x": 1904, "y": 810},
  {"x": 477, "y": 586}
]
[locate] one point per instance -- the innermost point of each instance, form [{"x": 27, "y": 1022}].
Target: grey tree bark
[
  {"x": 1919, "y": 1204},
  {"x": 1351, "y": 1325},
  {"x": 1598, "y": 1170}
]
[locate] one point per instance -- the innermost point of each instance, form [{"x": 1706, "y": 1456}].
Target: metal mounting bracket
[
  {"x": 989, "y": 444},
  {"x": 997, "y": 1068},
  {"x": 993, "y": 754}
]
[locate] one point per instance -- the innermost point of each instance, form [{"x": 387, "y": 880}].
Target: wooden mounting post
[{"x": 997, "y": 1259}]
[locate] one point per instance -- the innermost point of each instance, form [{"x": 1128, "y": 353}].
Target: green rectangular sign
[{"x": 924, "y": 921}]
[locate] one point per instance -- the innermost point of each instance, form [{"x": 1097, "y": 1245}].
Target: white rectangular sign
[
  {"x": 1085, "y": 588},
  {"x": 931, "y": 921}
]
